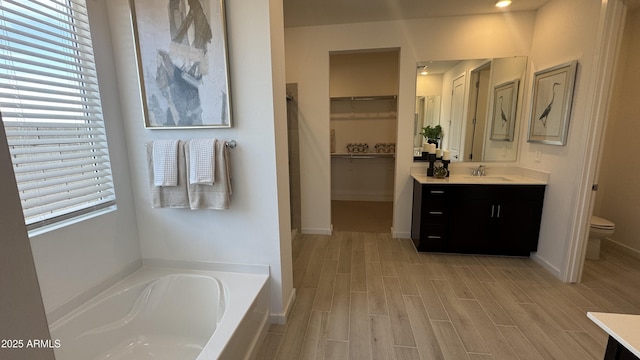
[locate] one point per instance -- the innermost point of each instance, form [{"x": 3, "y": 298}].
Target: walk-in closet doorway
[{"x": 363, "y": 89}]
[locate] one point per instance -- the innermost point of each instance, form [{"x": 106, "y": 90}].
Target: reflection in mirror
[
  {"x": 467, "y": 98},
  {"x": 427, "y": 114}
]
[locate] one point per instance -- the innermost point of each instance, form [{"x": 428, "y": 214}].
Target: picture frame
[
  {"x": 505, "y": 107},
  {"x": 182, "y": 60},
  {"x": 552, "y": 98}
]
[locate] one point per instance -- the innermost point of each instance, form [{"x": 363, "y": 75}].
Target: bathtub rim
[{"x": 57, "y": 312}]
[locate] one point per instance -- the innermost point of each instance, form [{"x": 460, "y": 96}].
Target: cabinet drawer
[
  {"x": 437, "y": 214},
  {"x": 435, "y": 192},
  {"x": 435, "y": 232},
  {"x": 434, "y": 238}
]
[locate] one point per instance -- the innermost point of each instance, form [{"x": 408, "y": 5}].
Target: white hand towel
[
  {"x": 218, "y": 196},
  {"x": 169, "y": 196},
  {"x": 201, "y": 161},
  {"x": 165, "y": 162}
]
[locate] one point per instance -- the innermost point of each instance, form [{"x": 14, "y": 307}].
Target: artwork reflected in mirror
[
  {"x": 505, "y": 105},
  {"x": 465, "y": 101}
]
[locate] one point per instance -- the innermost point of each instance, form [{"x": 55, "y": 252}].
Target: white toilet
[{"x": 600, "y": 229}]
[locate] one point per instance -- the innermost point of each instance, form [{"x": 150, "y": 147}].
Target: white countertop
[
  {"x": 498, "y": 179},
  {"x": 622, "y": 327}
]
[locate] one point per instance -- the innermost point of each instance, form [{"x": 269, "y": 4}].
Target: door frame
[{"x": 610, "y": 29}]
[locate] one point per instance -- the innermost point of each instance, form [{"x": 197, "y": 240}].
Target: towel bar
[{"x": 231, "y": 144}]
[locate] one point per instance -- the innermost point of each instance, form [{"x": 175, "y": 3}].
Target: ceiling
[
  {"x": 327, "y": 12},
  {"x": 437, "y": 67}
]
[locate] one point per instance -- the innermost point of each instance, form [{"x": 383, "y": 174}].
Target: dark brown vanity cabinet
[{"x": 477, "y": 219}]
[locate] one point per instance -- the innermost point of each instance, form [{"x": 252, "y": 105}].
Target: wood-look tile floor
[
  {"x": 369, "y": 216},
  {"x": 368, "y": 296}
]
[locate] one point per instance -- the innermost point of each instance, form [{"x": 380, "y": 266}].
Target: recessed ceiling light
[
  {"x": 424, "y": 71},
  {"x": 503, "y": 3}
]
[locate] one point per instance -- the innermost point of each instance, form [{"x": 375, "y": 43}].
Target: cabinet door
[
  {"x": 518, "y": 226},
  {"x": 471, "y": 225},
  {"x": 470, "y": 219},
  {"x": 513, "y": 232}
]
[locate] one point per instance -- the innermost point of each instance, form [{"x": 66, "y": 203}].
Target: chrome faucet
[{"x": 480, "y": 171}]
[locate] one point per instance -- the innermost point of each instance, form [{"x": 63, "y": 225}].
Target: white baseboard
[
  {"x": 353, "y": 196},
  {"x": 282, "y": 318},
  {"x": 626, "y": 249},
  {"x": 313, "y": 231},
  {"x": 550, "y": 268},
  {"x": 400, "y": 234}
]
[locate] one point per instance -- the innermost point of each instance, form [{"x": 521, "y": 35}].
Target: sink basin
[{"x": 487, "y": 178}]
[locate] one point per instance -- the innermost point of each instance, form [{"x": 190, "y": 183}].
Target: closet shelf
[
  {"x": 362, "y": 155},
  {"x": 358, "y": 116}
]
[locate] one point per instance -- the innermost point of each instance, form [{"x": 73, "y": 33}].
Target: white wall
[
  {"x": 76, "y": 258},
  {"x": 252, "y": 231},
  {"x": 368, "y": 73},
  {"x": 21, "y": 307},
  {"x": 282, "y": 292},
  {"x": 429, "y": 85},
  {"x": 468, "y": 37},
  {"x": 619, "y": 194},
  {"x": 565, "y": 30}
]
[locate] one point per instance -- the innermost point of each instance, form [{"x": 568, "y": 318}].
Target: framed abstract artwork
[
  {"x": 551, "y": 104},
  {"x": 182, "y": 56},
  {"x": 505, "y": 104}
]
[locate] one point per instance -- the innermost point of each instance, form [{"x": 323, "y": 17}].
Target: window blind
[{"x": 50, "y": 106}]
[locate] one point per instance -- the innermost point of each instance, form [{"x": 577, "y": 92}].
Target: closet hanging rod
[{"x": 364, "y": 98}]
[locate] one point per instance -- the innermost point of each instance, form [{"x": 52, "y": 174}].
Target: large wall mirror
[{"x": 477, "y": 104}]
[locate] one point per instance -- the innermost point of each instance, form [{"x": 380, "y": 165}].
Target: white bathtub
[{"x": 168, "y": 314}]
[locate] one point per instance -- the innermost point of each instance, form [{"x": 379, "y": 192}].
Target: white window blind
[{"x": 50, "y": 105}]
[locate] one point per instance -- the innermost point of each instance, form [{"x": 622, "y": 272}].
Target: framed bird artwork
[
  {"x": 551, "y": 104},
  {"x": 505, "y": 105}
]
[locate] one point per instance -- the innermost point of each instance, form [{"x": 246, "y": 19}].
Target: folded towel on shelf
[
  {"x": 165, "y": 162},
  {"x": 216, "y": 196},
  {"x": 169, "y": 196},
  {"x": 201, "y": 161}
]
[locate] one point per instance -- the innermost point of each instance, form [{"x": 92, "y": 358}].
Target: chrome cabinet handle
[
  {"x": 437, "y": 191},
  {"x": 492, "y": 210},
  {"x": 434, "y": 237},
  {"x": 498, "y": 211},
  {"x": 435, "y": 212}
]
